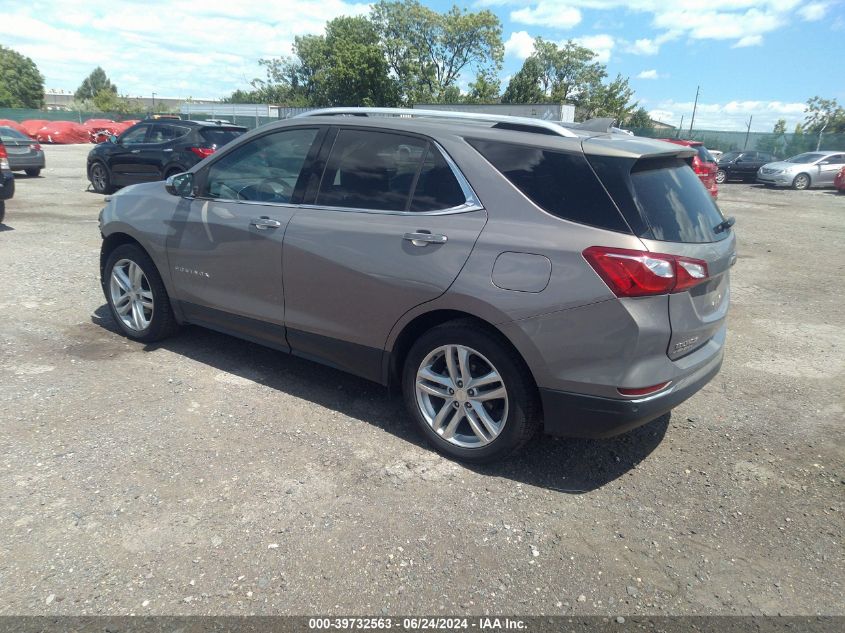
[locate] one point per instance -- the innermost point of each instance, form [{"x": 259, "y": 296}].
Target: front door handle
[
  {"x": 423, "y": 238},
  {"x": 136, "y": 151},
  {"x": 264, "y": 223}
]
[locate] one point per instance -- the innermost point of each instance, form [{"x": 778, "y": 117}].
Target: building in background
[{"x": 546, "y": 111}]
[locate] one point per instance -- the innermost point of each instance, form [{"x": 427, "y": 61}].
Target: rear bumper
[
  {"x": 26, "y": 162},
  {"x": 579, "y": 415},
  {"x": 7, "y": 185}
]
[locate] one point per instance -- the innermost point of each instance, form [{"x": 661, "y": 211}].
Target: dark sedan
[
  {"x": 24, "y": 153},
  {"x": 741, "y": 165},
  {"x": 153, "y": 150}
]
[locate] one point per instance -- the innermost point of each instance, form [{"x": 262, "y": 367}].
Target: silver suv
[{"x": 507, "y": 274}]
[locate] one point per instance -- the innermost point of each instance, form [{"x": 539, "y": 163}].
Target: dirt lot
[{"x": 211, "y": 476}]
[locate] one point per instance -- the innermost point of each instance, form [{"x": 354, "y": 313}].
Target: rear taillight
[
  {"x": 202, "y": 152},
  {"x": 632, "y": 273},
  {"x": 4, "y": 157}
]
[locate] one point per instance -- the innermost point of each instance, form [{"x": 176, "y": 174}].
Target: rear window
[
  {"x": 218, "y": 137},
  {"x": 9, "y": 135},
  {"x": 673, "y": 202},
  {"x": 560, "y": 183}
]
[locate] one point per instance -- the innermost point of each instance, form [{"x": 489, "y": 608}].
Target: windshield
[
  {"x": 8, "y": 135},
  {"x": 728, "y": 157},
  {"x": 805, "y": 158}
]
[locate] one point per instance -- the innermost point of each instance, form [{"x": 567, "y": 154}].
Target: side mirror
[
  {"x": 112, "y": 138},
  {"x": 181, "y": 185}
]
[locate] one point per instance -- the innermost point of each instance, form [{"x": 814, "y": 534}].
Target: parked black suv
[
  {"x": 154, "y": 150},
  {"x": 741, "y": 165}
]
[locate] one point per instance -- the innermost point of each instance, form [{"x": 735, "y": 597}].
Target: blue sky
[{"x": 750, "y": 57}]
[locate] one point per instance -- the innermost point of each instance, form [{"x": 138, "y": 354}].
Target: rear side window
[
  {"x": 384, "y": 171},
  {"x": 437, "y": 188},
  {"x": 673, "y": 202},
  {"x": 560, "y": 183},
  {"x": 218, "y": 137}
]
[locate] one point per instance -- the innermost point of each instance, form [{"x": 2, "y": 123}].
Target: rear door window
[
  {"x": 384, "y": 171},
  {"x": 671, "y": 199},
  {"x": 559, "y": 183}
]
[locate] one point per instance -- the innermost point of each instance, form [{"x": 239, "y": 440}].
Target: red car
[
  {"x": 703, "y": 164},
  {"x": 839, "y": 181}
]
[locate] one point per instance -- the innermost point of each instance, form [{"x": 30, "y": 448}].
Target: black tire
[
  {"x": 523, "y": 409},
  {"x": 721, "y": 176},
  {"x": 33, "y": 173},
  {"x": 100, "y": 178},
  {"x": 2, "y": 211},
  {"x": 801, "y": 182},
  {"x": 162, "y": 322}
]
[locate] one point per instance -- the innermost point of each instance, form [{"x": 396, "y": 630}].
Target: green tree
[
  {"x": 824, "y": 114},
  {"x": 93, "y": 84},
  {"x": 639, "y": 120},
  {"x": 774, "y": 143},
  {"x": 524, "y": 86},
  {"x": 107, "y": 101},
  {"x": 21, "y": 85},
  {"x": 485, "y": 89},
  {"x": 567, "y": 73},
  {"x": 611, "y": 100},
  {"x": 427, "y": 51}
]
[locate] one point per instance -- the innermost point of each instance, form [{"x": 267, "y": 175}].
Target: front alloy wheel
[
  {"x": 462, "y": 396},
  {"x": 131, "y": 295},
  {"x": 802, "y": 181}
]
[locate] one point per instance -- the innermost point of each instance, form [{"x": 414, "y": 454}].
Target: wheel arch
[
  {"x": 394, "y": 360},
  {"x": 119, "y": 238}
]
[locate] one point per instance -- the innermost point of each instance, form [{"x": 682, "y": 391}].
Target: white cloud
[
  {"x": 749, "y": 40},
  {"x": 644, "y": 46},
  {"x": 216, "y": 50},
  {"x": 745, "y": 22},
  {"x": 648, "y": 74},
  {"x": 601, "y": 44},
  {"x": 520, "y": 45},
  {"x": 548, "y": 13},
  {"x": 732, "y": 115},
  {"x": 813, "y": 11}
]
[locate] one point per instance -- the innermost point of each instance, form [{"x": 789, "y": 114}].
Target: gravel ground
[{"x": 207, "y": 475}]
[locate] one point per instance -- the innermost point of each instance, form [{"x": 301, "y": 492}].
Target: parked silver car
[
  {"x": 24, "y": 154},
  {"x": 810, "y": 169},
  {"x": 506, "y": 273}
]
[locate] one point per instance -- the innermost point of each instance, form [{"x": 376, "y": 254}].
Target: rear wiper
[{"x": 724, "y": 226}]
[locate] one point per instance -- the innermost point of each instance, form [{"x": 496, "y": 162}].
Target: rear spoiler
[{"x": 634, "y": 147}]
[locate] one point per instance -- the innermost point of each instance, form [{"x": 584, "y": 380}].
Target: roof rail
[{"x": 515, "y": 122}]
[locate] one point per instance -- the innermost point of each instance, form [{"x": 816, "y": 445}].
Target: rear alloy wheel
[
  {"x": 470, "y": 394},
  {"x": 136, "y": 295},
  {"x": 802, "y": 181},
  {"x": 721, "y": 176},
  {"x": 100, "y": 179},
  {"x": 33, "y": 173}
]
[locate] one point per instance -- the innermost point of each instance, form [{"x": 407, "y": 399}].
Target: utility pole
[
  {"x": 821, "y": 133},
  {"x": 154, "y": 103},
  {"x": 747, "y": 131},
  {"x": 694, "y": 107}
]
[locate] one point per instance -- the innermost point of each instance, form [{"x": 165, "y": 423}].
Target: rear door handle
[
  {"x": 423, "y": 238},
  {"x": 264, "y": 223},
  {"x": 167, "y": 150},
  {"x": 136, "y": 151}
]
